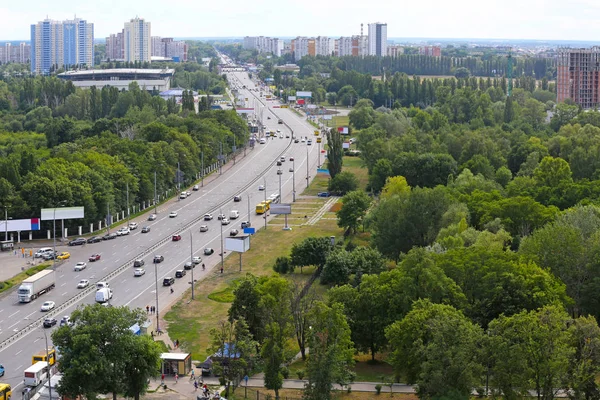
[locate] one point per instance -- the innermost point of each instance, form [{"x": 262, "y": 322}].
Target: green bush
[
  {"x": 378, "y": 388},
  {"x": 300, "y": 374}
]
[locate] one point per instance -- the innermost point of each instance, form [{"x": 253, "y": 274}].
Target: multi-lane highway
[{"x": 244, "y": 178}]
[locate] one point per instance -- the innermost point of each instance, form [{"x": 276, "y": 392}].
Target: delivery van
[
  {"x": 104, "y": 295},
  {"x": 234, "y": 214}
]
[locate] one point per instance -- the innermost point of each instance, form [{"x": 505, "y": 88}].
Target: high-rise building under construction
[{"x": 578, "y": 76}]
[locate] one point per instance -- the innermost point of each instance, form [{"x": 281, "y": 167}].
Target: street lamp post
[
  {"x": 128, "y": 213},
  {"x": 307, "y": 167},
  {"x": 202, "y": 176},
  {"x": 248, "y": 195},
  {"x": 6, "y": 223},
  {"x": 294, "y": 180},
  {"x": 280, "y": 172},
  {"x": 48, "y": 360},
  {"x": 192, "y": 261},
  {"x": 155, "y": 199},
  {"x": 222, "y": 247},
  {"x": 178, "y": 182},
  {"x": 156, "y": 290},
  {"x": 265, "y": 216},
  {"x": 54, "y": 233}
]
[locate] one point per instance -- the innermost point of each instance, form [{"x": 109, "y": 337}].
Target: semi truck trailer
[{"x": 36, "y": 285}]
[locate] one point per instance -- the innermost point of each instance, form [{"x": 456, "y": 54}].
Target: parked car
[
  {"x": 323, "y": 194},
  {"x": 195, "y": 188},
  {"x": 172, "y": 214},
  {"x": 138, "y": 263},
  {"x": 139, "y": 272},
  {"x": 78, "y": 242},
  {"x": 208, "y": 251},
  {"x": 80, "y": 266},
  {"x": 49, "y": 322},
  {"x": 221, "y": 216},
  {"x": 203, "y": 228},
  {"x": 296, "y": 140},
  {"x": 158, "y": 259},
  {"x": 291, "y": 158},
  {"x": 176, "y": 238},
  {"x": 83, "y": 284},
  {"x": 151, "y": 217},
  {"x": 48, "y": 305},
  {"x": 168, "y": 281},
  {"x": 94, "y": 257},
  {"x": 65, "y": 255},
  {"x": 208, "y": 217},
  {"x": 188, "y": 265},
  {"x": 95, "y": 239},
  {"x": 180, "y": 273},
  {"x": 109, "y": 236},
  {"x": 278, "y": 163},
  {"x": 146, "y": 229},
  {"x": 261, "y": 187},
  {"x": 123, "y": 231}
]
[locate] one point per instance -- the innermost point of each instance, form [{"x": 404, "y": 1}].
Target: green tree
[
  {"x": 438, "y": 348},
  {"x": 331, "y": 351},
  {"x": 343, "y": 183},
  {"x": 509, "y": 110},
  {"x": 362, "y": 117},
  {"x": 337, "y": 268},
  {"x": 101, "y": 345},
  {"x": 354, "y": 208},
  {"x": 530, "y": 349},
  {"x": 335, "y": 152},
  {"x": 234, "y": 352},
  {"x": 311, "y": 251},
  {"x": 584, "y": 365},
  {"x": 381, "y": 172},
  {"x": 247, "y": 306}
]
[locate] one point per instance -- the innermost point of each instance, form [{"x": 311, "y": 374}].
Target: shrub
[
  {"x": 300, "y": 374},
  {"x": 378, "y": 388}
]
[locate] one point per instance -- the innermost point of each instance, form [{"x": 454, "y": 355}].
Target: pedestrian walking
[
  {"x": 195, "y": 385},
  {"x": 147, "y": 309},
  {"x": 203, "y": 267},
  {"x": 192, "y": 376},
  {"x": 152, "y": 334},
  {"x": 176, "y": 377},
  {"x": 162, "y": 379}
]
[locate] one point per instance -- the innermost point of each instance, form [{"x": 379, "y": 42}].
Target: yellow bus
[
  {"x": 262, "y": 208},
  {"x": 5, "y": 391},
  {"x": 41, "y": 356},
  {"x": 318, "y": 140}
]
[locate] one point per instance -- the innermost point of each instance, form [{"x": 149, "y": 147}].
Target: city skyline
[{"x": 536, "y": 20}]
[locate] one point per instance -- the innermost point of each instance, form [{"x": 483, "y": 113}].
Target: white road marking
[
  {"x": 64, "y": 293},
  {"x": 63, "y": 284},
  {"x": 37, "y": 339},
  {"x": 15, "y": 313}
]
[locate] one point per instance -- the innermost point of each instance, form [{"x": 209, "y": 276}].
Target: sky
[{"x": 489, "y": 19}]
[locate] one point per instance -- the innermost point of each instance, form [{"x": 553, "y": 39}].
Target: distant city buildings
[
  {"x": 395, "y": 50},
  {"x": 169, "y": 49},
  {"x": 17, "y": 54},
  {"x": 432, "y": 51},
  {"x": 578, "y": 76},
  {"x": 264, "y": 44},
  {"x": 137, "y": 40},
  {"x": 115, "y": 47},
  {"x": 378, "y": 39},
  {"x": 58, "y": 44},
  {"x": 352, "y": 46}
]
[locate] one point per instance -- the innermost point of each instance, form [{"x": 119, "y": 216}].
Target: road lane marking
[
  {"x": 64, "y": 293},
  {"x": 15, "y": 313},
  {"x": 37, "y": 339},
  {"x": 63, "y": 284},
  {"x": 18, "y": 352}
]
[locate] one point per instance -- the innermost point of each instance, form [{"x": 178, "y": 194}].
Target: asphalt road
[{"x": 118, "y": 255}]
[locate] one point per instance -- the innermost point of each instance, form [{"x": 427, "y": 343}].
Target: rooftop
[{"x": 114, "y": 71}]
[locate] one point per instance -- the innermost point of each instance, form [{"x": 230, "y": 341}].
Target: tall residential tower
[
  {"x": 58, "y": 44},
  {"x": 137, "y": 40},
  {"x": 378, "y": 39},
  {"x": 578, "y": 76}
]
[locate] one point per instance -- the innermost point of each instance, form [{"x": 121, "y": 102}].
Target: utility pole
[
  {"x": 294, "y": 180},
  {"x": 280, "y": 172},
  {"x": 222, "y": 247},
  {"x": 107, "y": 217},
  {"x": 265, "y": 216},
  {"x": 128, "y": 213},
  {"x": 6, "y": 223},
  {"x": 156, "y": 291},
  {"x": 307, "y": 167},
  {"x": 178, "y": 182},
  {"x": 248, "y": 194},
  {"x": 155, "y": 199},
  {"x": 220, "y": 158},
  {"x": 234, "y": 149},
  {"x": 48, "y": 360},
  {"x": 202, "y": 158},
  {"x": 192, "y": 261},
  {"x": 319, "y": 163}
]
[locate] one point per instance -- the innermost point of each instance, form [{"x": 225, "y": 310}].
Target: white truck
[
  {"x": 104, "y": 295},
  {"x": 35, "y": 374},
  {"x": 36, "y": 285}
]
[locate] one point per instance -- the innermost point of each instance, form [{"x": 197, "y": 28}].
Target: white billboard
[
  {"x": 48, "y": 214},
  {"x": 327, "y": 116},
  {"x": 241, "y": 244},
  {"x": 304, "y": 94},
  {"x": 281, "y": 209},
  {"x": 291, "y": 98},
  {"x": 20, "y": 225}
]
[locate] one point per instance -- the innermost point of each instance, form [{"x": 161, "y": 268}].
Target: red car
[
  {"x": 176, "y": 238},
  {"x": 94, "y": 257}
]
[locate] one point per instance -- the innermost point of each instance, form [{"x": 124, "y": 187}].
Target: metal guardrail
[{"x": 127, "y": 265}]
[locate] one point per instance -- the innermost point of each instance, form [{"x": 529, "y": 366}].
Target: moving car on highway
[
  {"x": 48, "y": 305},
  {"x": 80, "y": 266},
  {"x": 83, "y": 284},
  {"x": 64, "y": 255},
  {"x": 94, "y": 257}
]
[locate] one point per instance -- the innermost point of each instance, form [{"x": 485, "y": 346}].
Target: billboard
[
  {"x": 62, "y": 213},
  {"x": 327, "y": 116},
  {"x": 304, "y": 94},
  {"x": 345, "y": 145},
  {"x": 20, "y": 225},
  {"x": 277, "y": 209},
  {"x": 300, "y": 101},
  {"x": 343, "y": 130},
  {"x": 244, "y": 110},
  {"x": 291, "y": 98},
  {"x": 241, "y": 244}
]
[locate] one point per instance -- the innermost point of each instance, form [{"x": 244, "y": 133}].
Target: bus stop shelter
[{"x": 180, "y": 363}]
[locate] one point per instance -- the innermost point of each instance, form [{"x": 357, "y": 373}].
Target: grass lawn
[
  {"x": 17, "y": 279},
  {"x": 319, "y": 184},
  {"x": 365, "y": 369},
  {"x": 355, "y": 165},
  {"x": 191, "y": 321},
  {"x": 295, "y": 394}
]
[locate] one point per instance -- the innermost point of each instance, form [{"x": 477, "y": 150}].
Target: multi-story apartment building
[
  {"x": 395, "y": 50},
  {"x": 175, "y": 49},
  {"x": 137, "y": 40},
  {"x": 324, "y": 46},
  {"x": 17, "y": 54},
  {"x": 353, "y": 46},
  {"x": 58, "y": 44},
  {"x": 115, "y": 47},
  {"x": 158, "y": 47},
  {"x": 377, "y": 39},
  {"x": 264, "y": 44},
  {"x": 432, "y": 51},
  {"x": 578, "y": 76}
]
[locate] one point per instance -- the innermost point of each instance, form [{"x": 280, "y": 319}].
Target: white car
[
  {"x": 80, "y": 266},
  {"x": 48, "y": 305},
  {"x": 196, "y": 187},
  {"x": 225, "y": 221},
  {"x": 151, "y": 217},
  {"x": 303, "y": 140},
  {"x": 208, "y": 217},
  {"x": 83, "y": 284},
  {"x": 172, "y": 214},
  {"x": 261, "y": 187},
  {"x": 123, "y": 231},
  {"x": 263, "y": 140},
  {"x": 133, "y": 225},
  {"x": 139, "y": 272},
  {"x": 203, "y": 228},
  {"x": 196, "y": 260}
]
